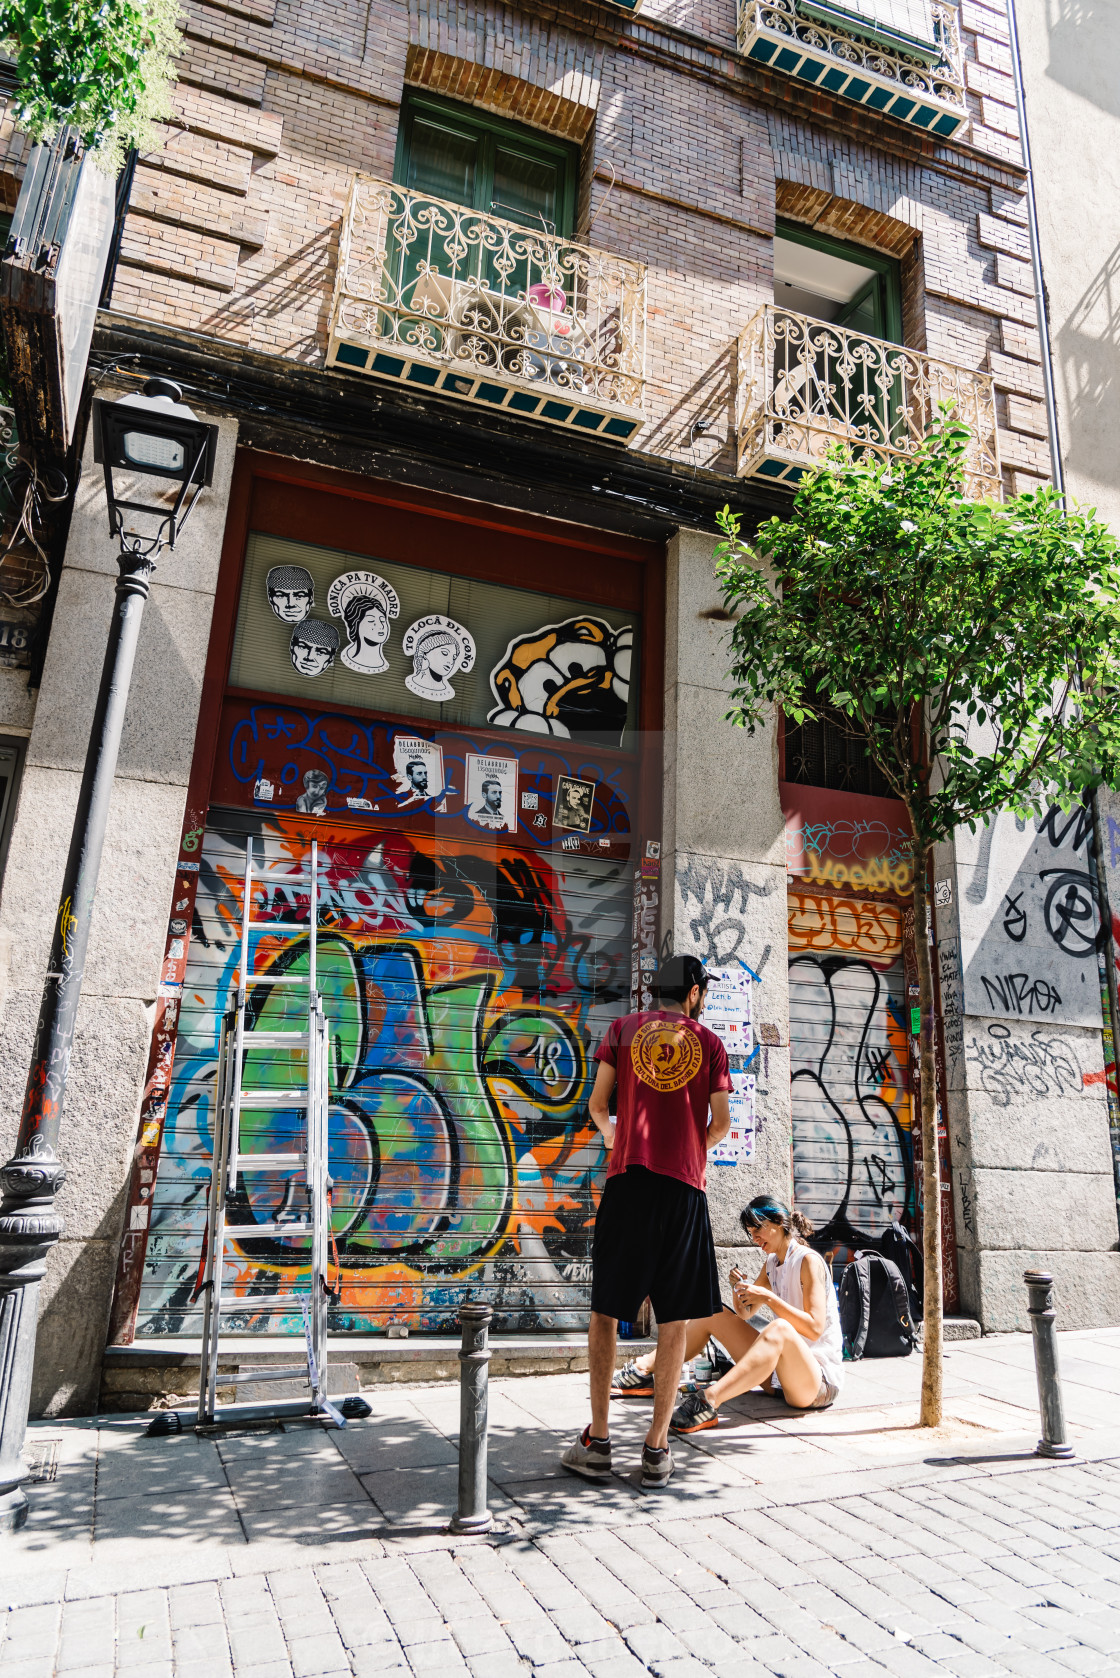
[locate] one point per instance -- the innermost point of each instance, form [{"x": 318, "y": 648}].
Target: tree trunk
[{"x": 931, "y": 1159}]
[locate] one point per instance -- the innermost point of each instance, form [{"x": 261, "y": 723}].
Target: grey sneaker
[
  {"x": 589, "y": 1457},
  {"x": 657, "y": 1468}
]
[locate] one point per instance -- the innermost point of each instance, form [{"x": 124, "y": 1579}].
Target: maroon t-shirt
[{"x": 667, "y": 1067}]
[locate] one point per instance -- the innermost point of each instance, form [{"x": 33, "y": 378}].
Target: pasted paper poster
[
  {"x": 727, "y": 1009},
  {"x": 738, "y": 1144}
]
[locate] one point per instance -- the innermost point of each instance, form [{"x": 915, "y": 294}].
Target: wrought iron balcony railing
[
  {"x": 433, "y": 295},
  {"x": 924, "y": 94},
  {"x": 804, "y": 385}
]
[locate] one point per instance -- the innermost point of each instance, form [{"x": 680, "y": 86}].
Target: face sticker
[{"x": 438, "y": 647}]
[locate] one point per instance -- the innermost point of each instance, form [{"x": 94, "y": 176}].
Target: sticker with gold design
[{"x": 665, "y": 1055}]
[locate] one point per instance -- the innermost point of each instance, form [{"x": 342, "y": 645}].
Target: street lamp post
[{"x": 149, "y": 435}]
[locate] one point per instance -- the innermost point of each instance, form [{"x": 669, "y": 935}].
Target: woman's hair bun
[{"x": 801, "y": 1224}]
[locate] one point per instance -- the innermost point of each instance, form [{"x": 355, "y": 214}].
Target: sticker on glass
[
  {"x": 313, "y": 646},
  {"x": 572, "y": 807},
  {"x": 438, "y": 647},
  {"x": 418, "y": 766},
  {"x": 291, "y": 592},
  {"x": 492, "y": 792},
  {"x": 564, "y": 679},
  {"x": 366, "y": 603}
]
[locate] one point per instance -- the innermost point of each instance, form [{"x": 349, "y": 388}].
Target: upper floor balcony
[
  {"x": 440, "y": 297},
  {"x": 917, "y": 79},
  {"x": 805, "y": 385}
]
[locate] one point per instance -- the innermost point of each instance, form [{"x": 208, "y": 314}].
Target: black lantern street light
[{"x": 152, "y": 435}]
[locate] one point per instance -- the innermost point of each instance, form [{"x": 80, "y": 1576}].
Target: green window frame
[
  {"x": 881, "y": 298},
  {"x": 491, "y": 139}
]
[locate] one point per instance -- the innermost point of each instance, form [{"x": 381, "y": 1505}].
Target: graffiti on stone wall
[
  {"x": 1016, "y": 1064},
  {"x": 850, "y": 1087},
  {"x": 714, "y": 908},
  {"x": 1029, "y": 920},
  {"x": 466, "y": 986}
]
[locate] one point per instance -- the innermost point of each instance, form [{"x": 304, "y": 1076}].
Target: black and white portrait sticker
[
  {"x": 492, "y": 793},
  {"x": 313, "y": 646},
  {"x": 312, "y": 801},
  {"x": 367, "y": 604},
  {"x": 438, "y": 647},
  {"x": 418, "y": 766},
  {"x": 564, "y": 679},
  {"x": 572, "y": 805},
  {"x": 291, "y": 592}
]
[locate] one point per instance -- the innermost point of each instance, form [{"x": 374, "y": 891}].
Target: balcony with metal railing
[
  {"x": 432, "y": 295},
  {"x": 924, "y": 89},
  {"x": 804, "y": 385}
]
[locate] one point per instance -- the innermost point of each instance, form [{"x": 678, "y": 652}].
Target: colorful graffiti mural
[
  {"x": 853, "y": 1159},
  {"x": 465, "y": 988},
  {"x": 846, "y": 840}
]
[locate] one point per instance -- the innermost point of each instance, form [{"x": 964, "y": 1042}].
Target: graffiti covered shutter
[
  {"x": 466, "y": 985},
  {"x": 852, "y": 1151}
]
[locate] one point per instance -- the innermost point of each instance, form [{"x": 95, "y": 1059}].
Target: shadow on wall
[
  {"x": 74, "y": 1320},
  {"x": 1085, "y": 50},
  {"x": 699, "y": 429},
  {"x": 1088, "y": 346}
]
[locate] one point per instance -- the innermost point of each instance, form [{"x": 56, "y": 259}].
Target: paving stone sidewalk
[{"x": 786, "y": 1545}]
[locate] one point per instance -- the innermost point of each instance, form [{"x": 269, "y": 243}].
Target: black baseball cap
[{"x": 677, "y": 975}]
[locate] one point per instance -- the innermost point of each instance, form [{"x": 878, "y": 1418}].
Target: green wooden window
[
  {"x": 500, "y": 168},
  {"x": 875, "y": 307},
  {"x": 902, "y": 25}
]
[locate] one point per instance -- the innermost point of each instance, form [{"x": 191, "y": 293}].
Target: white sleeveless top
[{"x": 785, "y": 1281}]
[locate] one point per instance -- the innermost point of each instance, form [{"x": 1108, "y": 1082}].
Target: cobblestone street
[{"x": 834, "y": 1542}]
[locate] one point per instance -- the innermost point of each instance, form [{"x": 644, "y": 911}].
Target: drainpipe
[{"x": 1097, "y": 867}]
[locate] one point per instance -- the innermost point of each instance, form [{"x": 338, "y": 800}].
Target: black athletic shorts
[{"x": 653, "y": 1236}]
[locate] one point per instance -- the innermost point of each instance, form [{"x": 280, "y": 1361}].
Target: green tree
[
  {"x": 974, "y": 648},
  {"x": 103, "y": 67}
]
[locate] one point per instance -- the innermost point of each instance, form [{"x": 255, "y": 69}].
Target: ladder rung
[
  {"x": 280, "y": 926},
  {"x": 274, "y": 1098},
  {"x": 238, "y": 1231},
  {"x": 278, "y": 979},
  {"x": 265, "y": 1302},
  {"x": 259, "y": 1162},
  {"x": 270, "y": 1037},
  {"x": 285, "y": 879},
  {"x": 299, "y": 1373}
]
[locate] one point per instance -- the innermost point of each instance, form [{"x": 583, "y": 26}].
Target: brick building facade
[{"x": 710, "y": 183}]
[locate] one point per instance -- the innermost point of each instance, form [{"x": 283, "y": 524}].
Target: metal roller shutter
[
  {"x": 850, "y": 1085},
  {"x": 467, "y": 984}
]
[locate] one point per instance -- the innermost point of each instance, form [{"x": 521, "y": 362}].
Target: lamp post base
[{"x": 29, "y": 1228}]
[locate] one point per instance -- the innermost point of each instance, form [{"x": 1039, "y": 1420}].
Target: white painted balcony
[
  {"x": 804, "y": 385},
  {"x": 435, "y": 296},
  {"x": 924, "y": 89}
]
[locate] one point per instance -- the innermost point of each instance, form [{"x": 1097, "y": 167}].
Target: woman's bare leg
[
  {"x": 700, "y": 1329},
  {"x": 777, "y": 1347}
]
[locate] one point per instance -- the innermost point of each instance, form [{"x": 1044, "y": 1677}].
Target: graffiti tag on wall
[{"x": 1029, "y": 920}]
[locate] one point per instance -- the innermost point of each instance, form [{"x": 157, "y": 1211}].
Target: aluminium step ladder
[{"x": 300, "y": 1168}]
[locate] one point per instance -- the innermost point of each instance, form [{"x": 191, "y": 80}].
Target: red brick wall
[{"x": 234, "y": 224}]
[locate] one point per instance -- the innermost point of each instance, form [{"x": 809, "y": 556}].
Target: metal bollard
[
  {"x": 474, "y": 1358},
  {"x": 1053, "y": 1442}
]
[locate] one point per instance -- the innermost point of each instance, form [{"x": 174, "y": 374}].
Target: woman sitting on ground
[{"x": 801, "y": 1350}]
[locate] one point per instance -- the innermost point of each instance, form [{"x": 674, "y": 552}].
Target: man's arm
[
  {"x": 598, "y": 1105},
  {"x": 720, "y": 1122}
]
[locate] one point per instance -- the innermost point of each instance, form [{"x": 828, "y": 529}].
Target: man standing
[{"x": 652, "y": 1233}]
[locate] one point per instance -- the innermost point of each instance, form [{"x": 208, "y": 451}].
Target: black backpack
[
  {"x": 874, "y": 1309},
  {"x": 898, "y": 1245}
]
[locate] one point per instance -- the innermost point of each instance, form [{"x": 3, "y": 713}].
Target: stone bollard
[
  {"x": 474, "y": 1358},
  {"x": 1053, "y": 1442}
]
